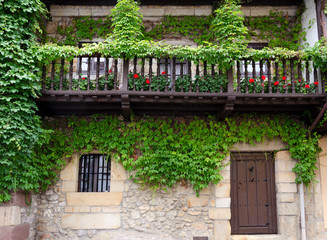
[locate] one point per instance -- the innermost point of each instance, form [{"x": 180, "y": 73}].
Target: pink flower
[
  {"x": 262, "y": 84},
  {"x": 263, "y": 77},
  {"x": 251, "y": 80},
  {"x": 136, "y": 75},
  {"x": 147, "y": 81},
  {"x": 316, "y": 83},
  {"x": 284, "y": 86},
  {"x": 284, "y": 78},
  {"x": 307, "y": 86},
  {"x": 276, "y": 83},
  {"x": 163, "y": 73}
]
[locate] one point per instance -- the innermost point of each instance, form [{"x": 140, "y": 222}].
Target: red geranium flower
[
  {"x": 147, "y": 81},
  {"x": 284, "y": 86},
  {"x": 262, "y": 84},
  {"x": 284, "y": 78},
  {"x": 163, "y": 73},
  {"x": 263, "y": 78},
  {"x": 289, "y": 84},
  {"x": 316, "y": 83},
  {"x": 136, "y": 75},
  {"x": 110, "y": 71},
  {"x": 276, "y": 83},
  {"x": 251, "y": 80},
  {"x": 299, "y": 80},
  {"x": 83, "y": 78},
  {"x": 307, "y": 86}
]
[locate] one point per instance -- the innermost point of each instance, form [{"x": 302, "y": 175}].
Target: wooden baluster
[
  {"x": 284, "y": 74},
  {"x": 71, "y": 74},
  {"x": 44, "y": 75},
  {"x": 238, "y": 74},
  {"x": 261, "y": 74},
  {"x": 125, "y": 74},
  {"x": 190, "y": 75},
  {"x": 212, "y": 70},
  {"x": 116, "y": 74},
  {"x": 181, "y": 74},
  {"x": 315, "y": 79},
  {"x": 277, "y": 75},
  {"x": 253, "y": 74},
  {"x": 299, "y": 72},
  {"x": 292, "y": 77},
  {"x": 246, "y": 76},
  {"x": 142, "y": 67},
  {"x": 97, "y": 74},
  {"x": 134, "y": 72},
  {"x": 62, "y": 65},
  {"x": 269, "y": 76},
  {"x": 79, "y": 74},
  {"x": 88, "y": 73},
  {"x": 53, "y": 66},
  {"x": 174, "y": 76},
  {"x": 158, "y": 73},
  {"x": 106, "y": 75},
  {"x": 166, "y": 74},
  {"x": 230, "y": 86},
  {"x": 197, "y": 73},
  {"x": 205, "y": 68},
  {"x": 150, "y": 73},
  {"x": 307, "y": 71}
]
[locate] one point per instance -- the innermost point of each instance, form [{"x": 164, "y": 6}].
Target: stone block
[
  {"x": 84, "y": 11},
  {"x": 288, "y": 209},
  {"x": 262, "y": 147},
  {"x": 118, "y": 172},
  {"x": 286, "y": 188},
  {"x": 285, "y": 177},
  {"x": 10, "y": 216},
  {"x": 204, "y": 11},
  {"x": 20, "y": 232},
  {"x": 91, "y": 221},
  {"x": 101, "y": 11},
  {"x": 18, "y": 199},
  {"x": 286, "y": 197},
  {"x": 117, "y": 186},
  {"x": 69, "y": 186},
  {"x": 223, "y": 202},
  {"x": 222, "y": 190},
  {"x": 205, "y": 190},
  {"x": 96, "y": 209},
  {"x": 111, "y": 209},
  {"x": 66, "y": 11},
  {"x": 152, "y": 11},
  {"x": 52, "y": 27},
  {"x": 180, "y": 11},
  {"x": 70, "y": 172},
  {"x": 222, "y": 230},
  {"x": 220, "y": 213},
  {"x": 283, "y": 155},
  {"x": 226, "y": 176},
  {"x": 199, "y": 226},
  {"x": 288, "y": 226},
  {"x": 94, "y": 199},
  {"x": 200, "y": 201},
  {"x": 77, "y": 209}
]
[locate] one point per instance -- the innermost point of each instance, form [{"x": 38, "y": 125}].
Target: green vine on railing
[{"x": 163, "y": 152}]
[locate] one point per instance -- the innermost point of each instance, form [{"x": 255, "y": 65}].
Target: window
[
  {"x": 178, "y": 65},
  {"x": 93, "y": 63},
  {"x": 94, "y": 173},
  {"x": 253, "y": 193}
]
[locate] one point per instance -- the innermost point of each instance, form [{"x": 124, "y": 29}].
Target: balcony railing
[{"x": 172, "y": 85}]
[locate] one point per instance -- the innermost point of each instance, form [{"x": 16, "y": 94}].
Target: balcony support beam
[{"x": 126, "y": 106}]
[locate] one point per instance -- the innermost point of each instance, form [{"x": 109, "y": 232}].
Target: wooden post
[{"x": 125, "y": 74}]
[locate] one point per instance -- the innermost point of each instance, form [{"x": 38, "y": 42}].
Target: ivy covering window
[{"x": 94, "y": 173}]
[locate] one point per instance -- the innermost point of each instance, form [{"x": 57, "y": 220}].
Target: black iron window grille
[{"x": 94, "y": 173}]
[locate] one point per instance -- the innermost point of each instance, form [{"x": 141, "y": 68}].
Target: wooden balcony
[{"x": 95, "y": 84}]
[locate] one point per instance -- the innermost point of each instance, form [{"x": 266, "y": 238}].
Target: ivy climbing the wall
[{"x": 162, "y": 152}]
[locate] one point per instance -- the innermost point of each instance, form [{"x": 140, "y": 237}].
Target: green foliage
[
  {"x": 278, "y": 29},
  {"x": 126, "y": 20},
  {"x": 164, "y": 152},
  {"x": 227, "y": 27},
  {"x": 84, "y": 27},
  {"x": 195, "y": 28},
  {"x": 20, "y": 130}
]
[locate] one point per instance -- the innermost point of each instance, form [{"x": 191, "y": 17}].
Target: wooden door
[{"x": 253, "y": 193}]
